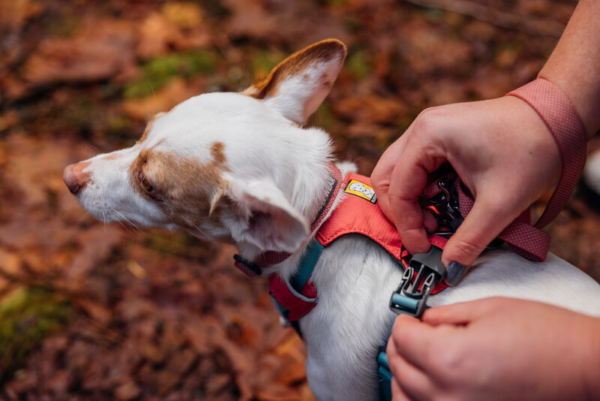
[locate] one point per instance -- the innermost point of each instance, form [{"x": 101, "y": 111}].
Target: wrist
[
  {"x": 573, "y": 65},
  {"x": 580, "y": 93}
]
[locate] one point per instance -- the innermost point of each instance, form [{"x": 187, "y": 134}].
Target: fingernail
[{"x": 456, "y": 271}]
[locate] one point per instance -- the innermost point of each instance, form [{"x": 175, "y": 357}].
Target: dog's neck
[{"x": 305, "y": 180}]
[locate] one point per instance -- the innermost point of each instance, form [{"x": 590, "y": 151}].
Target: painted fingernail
[{"x": 455, "y": 273}]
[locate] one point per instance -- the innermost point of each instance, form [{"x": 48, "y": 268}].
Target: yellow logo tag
[{"x": 361, "y": 190}]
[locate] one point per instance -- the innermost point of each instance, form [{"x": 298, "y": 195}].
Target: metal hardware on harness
[
  {"x": 411, "y": 296},
  {"x": 446, "y": 204}
]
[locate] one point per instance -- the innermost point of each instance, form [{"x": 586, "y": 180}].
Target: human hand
[
  {"x": 502, "y": 151},
  {"x": 495, "y": 349}
]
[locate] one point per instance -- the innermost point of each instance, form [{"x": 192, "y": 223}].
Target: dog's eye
[{"x": 145, "y": 183}]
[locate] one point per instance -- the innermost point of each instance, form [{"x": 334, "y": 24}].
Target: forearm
[{"x": 574, "y": 63}]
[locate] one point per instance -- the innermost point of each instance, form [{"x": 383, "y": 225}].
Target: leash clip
[{"x": 411, "y": 296}]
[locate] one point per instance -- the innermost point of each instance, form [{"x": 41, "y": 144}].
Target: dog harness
[{"x": 358, "y": 213}]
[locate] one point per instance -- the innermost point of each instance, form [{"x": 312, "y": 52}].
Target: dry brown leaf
[
  {"x": 370, "y": 108},
  {"x": 95, "y": 310},
  {"x": 97, "y": 244},
  {"x": 165, "y": 99},
  {"x": 128, "y": 390},
  {"x": 99, "y": 51},
  {"x": 184, "y": 15},
  {"x": 13, "y": 14}
]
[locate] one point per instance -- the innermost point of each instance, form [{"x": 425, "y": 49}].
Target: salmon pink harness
[{"x": 358, "y": 213}]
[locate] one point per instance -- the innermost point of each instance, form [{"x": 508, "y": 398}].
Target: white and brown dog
[{"x": 240, "y": 168}]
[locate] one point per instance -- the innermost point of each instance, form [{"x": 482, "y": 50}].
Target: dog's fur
[{"x": 239, "y": 168}]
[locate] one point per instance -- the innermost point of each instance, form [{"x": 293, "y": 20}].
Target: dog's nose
[{"x": 75, "y": 178}]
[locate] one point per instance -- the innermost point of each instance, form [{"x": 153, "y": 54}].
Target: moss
[
  {"x": 263, "y": 62},
  {"x": 359, "y": 64},
  {"x": 353, "y": 24},
  {"x": 79, "y": 114},
  {"x": 65, "y": 27},
  {"x": 159, "y": 71},
  {"x": 171, "y": 243},
  {"x": 433, "y": 14},
  {"x": 324, "y": 117},
  {"x": 27, "y": 316}
]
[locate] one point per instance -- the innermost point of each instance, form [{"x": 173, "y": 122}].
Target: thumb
[
  {"x": 488, "y": 217},
  {"x": 460, "y": 313}
]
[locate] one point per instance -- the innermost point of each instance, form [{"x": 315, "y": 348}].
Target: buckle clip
[
  {"x": 411, "y": 295},
  {"x": 446, "y": 204}
]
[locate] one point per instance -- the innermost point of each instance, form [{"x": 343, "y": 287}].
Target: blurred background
[{"x": 99, "y": 312}]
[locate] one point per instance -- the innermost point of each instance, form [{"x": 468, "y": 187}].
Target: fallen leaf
[{"x": 101, "y": 50}]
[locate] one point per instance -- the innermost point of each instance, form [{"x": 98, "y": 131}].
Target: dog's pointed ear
[
  {"x": 300, "y": 83},
  {"x": 263, "y": 217}
]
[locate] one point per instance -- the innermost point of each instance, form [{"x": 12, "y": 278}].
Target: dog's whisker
[
  {"x": 208, "y": 236},
  {"x": 128, "y": 221},
  {"x": 82, "y": 217},
  {"x": 125, "y": 227}
]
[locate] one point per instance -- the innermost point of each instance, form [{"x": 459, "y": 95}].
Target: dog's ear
[
  {"x": 262, "y": 216},
  {"x": 298, "y": 85}
]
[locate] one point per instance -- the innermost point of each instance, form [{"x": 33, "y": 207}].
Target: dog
[{"x": 240, "y": 168}]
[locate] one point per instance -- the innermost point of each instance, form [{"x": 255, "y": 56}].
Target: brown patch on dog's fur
[
  {"x": 216, "y": 151},
  {"x": 183, "y": 188},
  {"x": 296, "y": 63}
]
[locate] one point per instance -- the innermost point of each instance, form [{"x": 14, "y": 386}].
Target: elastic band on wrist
[{"x": 566, "y": 126}]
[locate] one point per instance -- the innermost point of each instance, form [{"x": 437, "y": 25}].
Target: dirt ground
[{"x": 99, "y": 312}]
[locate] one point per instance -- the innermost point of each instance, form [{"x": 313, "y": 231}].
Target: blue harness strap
[
  {"x": 306, "y": 266},
  {"x": 385, "y": 376}
]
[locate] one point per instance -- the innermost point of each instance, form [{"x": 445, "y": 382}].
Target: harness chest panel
[{"x": 357, "y": 213}]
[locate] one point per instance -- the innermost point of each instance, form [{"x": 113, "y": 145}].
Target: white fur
[{"x": 275, "y": 166}]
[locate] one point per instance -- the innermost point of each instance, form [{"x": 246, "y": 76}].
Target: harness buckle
[
  {"x": 446, "y": 204},
  {"x": 411, "y": 296}
]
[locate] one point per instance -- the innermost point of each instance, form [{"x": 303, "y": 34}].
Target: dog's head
[{"x": 225, "y": 166}]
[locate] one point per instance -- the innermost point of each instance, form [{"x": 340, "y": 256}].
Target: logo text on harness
[{"x": 361, "y": 190}]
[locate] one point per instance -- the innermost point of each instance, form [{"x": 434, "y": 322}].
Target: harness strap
[
  {"x": 568, "y": 130},
  {"x": 525, "y": 240},
  {"x": 296, "y": 298}
]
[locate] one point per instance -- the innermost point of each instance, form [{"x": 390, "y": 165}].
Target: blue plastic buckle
[{"x": 411, "y": 296}]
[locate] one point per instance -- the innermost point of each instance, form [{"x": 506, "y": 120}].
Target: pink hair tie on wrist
[{"x": 561, "y": 117}]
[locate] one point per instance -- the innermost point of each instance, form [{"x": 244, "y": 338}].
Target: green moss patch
[
  {"x": 159, "y": 71},
  {"x": 27, "y": 316}
]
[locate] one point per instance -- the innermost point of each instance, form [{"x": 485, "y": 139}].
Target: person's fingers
[
  {"x": 397, "y": 393},
  {"x": 485, "y": 221},
  {"x": 382, "y": 174},
  {"x": 429, "y": 221},
  {"x": 411, "y": 340},
  {"x": 461, "y": 313},
  {"x": 409, "y": 178},
  {"x": 410, "y": 381}
]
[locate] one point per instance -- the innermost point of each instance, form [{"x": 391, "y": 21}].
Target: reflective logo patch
[{"x": 361, "y": 190}]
